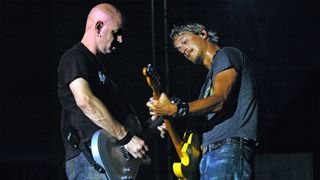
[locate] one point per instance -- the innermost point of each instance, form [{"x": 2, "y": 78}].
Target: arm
[
  {"x": 96, "y": 111},
  {"x": 223, "y": 84}
]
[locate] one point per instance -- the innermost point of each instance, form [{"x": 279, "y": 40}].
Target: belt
[{"x": 232, "y": 140}]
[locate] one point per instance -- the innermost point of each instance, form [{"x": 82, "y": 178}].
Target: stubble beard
[{"x": 198, "y": 60}]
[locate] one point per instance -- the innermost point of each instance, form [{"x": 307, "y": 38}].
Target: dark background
[{"x": 280, "y": 37}]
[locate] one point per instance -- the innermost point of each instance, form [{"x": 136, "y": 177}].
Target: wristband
[
  {"x": 126, "y": 139},
  {"x": 182, "y": 109}
]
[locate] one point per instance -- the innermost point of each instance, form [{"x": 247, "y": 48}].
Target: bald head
[
  {"x": 103, "y": 29},
  {"x": 105, "y": 13}
]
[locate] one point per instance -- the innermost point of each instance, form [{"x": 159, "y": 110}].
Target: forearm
[
  {"x": 99, "y": 114},
  {"x": 96, "y": 111},
  {"x": 206, "y": 105},
  {"x": 164, "y": 106}
]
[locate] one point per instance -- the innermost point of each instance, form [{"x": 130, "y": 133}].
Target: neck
[
  {"x": 88, "y": 41},
  {"x": 211, "y": 52}
]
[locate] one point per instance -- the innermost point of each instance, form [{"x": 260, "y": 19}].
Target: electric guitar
[
  {"x": 117, "y": 162},
  {"x": 187, "y": 149}
]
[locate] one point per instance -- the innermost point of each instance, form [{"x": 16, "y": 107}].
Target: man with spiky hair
[{"x": 227, "y": 99}]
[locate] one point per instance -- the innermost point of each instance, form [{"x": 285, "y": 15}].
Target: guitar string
[{"x": 121, "y": 150}]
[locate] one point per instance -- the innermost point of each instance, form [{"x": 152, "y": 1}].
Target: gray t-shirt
[{"x": 239, "y": 116}]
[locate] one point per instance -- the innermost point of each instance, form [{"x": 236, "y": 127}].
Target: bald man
[{"x": 88, "y": 96}]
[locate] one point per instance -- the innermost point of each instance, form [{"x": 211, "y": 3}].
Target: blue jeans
[
  {"x": 229, "y": 162},
  {"x": 78, "y": 168}
]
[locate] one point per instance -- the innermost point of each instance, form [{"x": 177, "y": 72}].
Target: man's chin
[
  {"x": 108, "y": 51},
  {"x": 100, "y": 53},
  {"x": 112, "y": 49}
]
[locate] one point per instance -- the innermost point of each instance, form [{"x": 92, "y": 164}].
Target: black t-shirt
[{"x": 80, "y": 62}]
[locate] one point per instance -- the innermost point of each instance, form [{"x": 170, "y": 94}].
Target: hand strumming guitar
[{"x": 136, "y": 147}]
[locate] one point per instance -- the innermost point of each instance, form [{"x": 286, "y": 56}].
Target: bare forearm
[
  {"x": 94, "y": 109},
  {"x": 209, "y": 104},
  {"x": 164, "y": 106},
  {"x": 99, "y": 114}
]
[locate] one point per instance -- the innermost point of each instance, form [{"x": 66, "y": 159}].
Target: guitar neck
[
  {"x": 174, "y": 137},
  {"x": 176, "y": 140},
  {"x": 153, "y": 81},
  {"x": 150, "y": 128}
]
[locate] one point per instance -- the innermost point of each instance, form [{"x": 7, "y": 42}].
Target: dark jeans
[
  {"x": 79, "y": 168},
  {"x": 229, "y": 162}
]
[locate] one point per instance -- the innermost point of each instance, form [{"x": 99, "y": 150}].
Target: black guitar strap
[
  {"x": 86, "y": 152},
  {"x": 75, "y": 140}
]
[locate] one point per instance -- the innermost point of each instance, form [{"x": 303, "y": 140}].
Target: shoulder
[
  {"x": 232, "y": 54},
  {"x": 74, "y": 52},
  {"x": 73, "y": 55},
  {"x": 229, "y": 51},
  {"x": 229, "y": 57}
]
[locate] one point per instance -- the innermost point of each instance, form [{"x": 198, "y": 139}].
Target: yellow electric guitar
[{"x": 187, "y": 149}]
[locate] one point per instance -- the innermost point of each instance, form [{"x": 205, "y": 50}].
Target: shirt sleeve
[
  {"x": 74, "y": 65},
  {"x": 228, "y": 58}
]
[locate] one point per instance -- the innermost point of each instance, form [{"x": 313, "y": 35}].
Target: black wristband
[
  {"x": 126, "y": 139},
  {"x": 182, "y": 109}
]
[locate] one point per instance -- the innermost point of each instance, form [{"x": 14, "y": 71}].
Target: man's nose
[{"x": 183, "y": 49}]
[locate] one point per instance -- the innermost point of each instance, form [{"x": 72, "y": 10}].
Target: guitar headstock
[{"x": 153, "y": 80}]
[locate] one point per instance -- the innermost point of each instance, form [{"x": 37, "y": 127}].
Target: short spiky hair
[{"x": 194, "y": 28}]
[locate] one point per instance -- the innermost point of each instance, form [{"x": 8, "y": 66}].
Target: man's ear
[
  {"x": 203, "y": 33},
  {"x": 99, "y": 26}
]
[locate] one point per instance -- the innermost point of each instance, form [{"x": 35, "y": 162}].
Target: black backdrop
[{"x": 281, "y": 38}]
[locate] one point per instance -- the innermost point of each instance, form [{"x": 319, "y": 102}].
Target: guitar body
[
  {"x": 118, "y": 163},
  {"x": 188, "y": 168},
  {"x": 113, "y": 157}
]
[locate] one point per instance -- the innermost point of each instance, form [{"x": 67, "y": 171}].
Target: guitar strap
[
  {"x": 86, "y": 152},
  {"x": 75, "y": 140}
]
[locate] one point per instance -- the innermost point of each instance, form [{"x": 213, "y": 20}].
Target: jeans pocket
[{"x": 70, "y": 166}]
